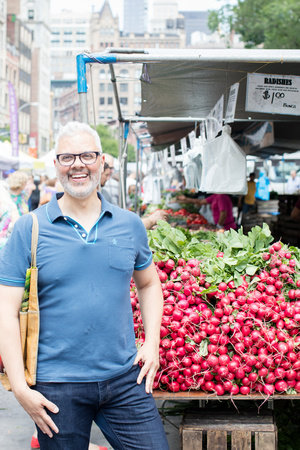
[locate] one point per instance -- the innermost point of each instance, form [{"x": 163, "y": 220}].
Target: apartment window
[
  {"x": 124, "y": 72},
  {"x": 30, "y": 14},
  {"x": 123, "y": 100},
  {"x": 67, "y": 32},
  {"x": 109, "y": 100},
  {"x": 110, "y": 87},
  {"x": 80, "y": 41},
  {"x": 101, "y": 101},
  {"x": 101, "y": 86},
  {"x": 109, "y": 114},
  {"x": 102, "y": 73},
  {"x": 124, "y": 87}
]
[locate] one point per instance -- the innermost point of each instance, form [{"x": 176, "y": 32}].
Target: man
[
  {"x": 111, "y": 189},
  {"x": 293, "y": 183},
  {"x": 88, "y": 367},
  {"x": 105, "y": 175},
  {"x": 248, "y": 204}
]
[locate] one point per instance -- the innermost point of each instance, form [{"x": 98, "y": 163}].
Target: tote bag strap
[{"x": 34, "y": 238}]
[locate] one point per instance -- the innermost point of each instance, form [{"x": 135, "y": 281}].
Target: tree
[
  {"x": 270, "y": 23},
  {"x": 110, "y": 144}
]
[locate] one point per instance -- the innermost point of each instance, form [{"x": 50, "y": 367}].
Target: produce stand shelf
[
  {"x": 194, "y": 395},
  {"x": 240, "y": 431}
]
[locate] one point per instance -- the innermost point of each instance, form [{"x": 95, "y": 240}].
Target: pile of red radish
[{"x": 236, "y": 340}]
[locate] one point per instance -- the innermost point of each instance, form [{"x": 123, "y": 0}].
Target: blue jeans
[{"x": 122, "y": 409}]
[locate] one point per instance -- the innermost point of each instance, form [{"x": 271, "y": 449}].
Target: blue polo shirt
[{"x": 86, "y": 324}]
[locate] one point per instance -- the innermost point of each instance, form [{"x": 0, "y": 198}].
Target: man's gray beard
[{"x": 64, "y": 180}]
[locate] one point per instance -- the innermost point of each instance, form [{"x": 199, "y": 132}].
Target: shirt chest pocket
[{"x": 121, "y": 254}]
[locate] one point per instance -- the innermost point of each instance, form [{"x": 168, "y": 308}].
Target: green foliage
[
  {"x": 242, "y": 253},
  {"x": 110, "y": 144},
  {"x": 271, "y": 23}
]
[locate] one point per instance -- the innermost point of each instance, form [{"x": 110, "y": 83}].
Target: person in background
[
  {"x": 17, "y": 182},
  {"x": 293, "y": 183},
  {"x": 111, "y": 189},
  {"x": 247, "y": 203},
  {"x": 105, "y": 175},
  {"x": 295, "y": 214},
  {"x": 88, "y": 365},
  {"x": 48, "y": 191},
  {"x": 262, "y": 187},
  {"x": 34, "y": 199},
  {"x": 151, "y": 220},
  {"x": 8, "y": 214},
  {"x": 221, "y": 206}
]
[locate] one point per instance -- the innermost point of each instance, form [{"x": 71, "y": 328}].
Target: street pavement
[{"x": 16, "y": 427}]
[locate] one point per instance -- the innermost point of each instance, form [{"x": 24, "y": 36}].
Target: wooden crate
[{"x": 220, "y": 431}]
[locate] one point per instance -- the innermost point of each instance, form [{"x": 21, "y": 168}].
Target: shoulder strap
[{"x": 34, "y": 238}]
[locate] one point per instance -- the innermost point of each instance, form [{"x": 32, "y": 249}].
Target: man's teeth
[{"x": 79, "y": 176}]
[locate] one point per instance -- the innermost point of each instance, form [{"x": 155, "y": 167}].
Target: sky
[{"x": 117, "y": 5}]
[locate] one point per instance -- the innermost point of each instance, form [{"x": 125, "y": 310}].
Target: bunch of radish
[{"x": 227, "y": 339}]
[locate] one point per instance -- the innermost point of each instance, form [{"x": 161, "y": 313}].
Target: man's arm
[
  {"x": 151, "y": 303},
  {"x": 11, "y": 353},
  {"x": 222, "y": 218}
]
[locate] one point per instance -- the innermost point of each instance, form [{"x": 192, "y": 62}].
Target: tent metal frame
[{"x": 113, "y": 56}]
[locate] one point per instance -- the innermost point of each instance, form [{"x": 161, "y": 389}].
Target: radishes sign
[{"x": 275, "y": 94}]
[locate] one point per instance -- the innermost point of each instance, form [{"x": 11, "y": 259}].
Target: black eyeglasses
[{"x": 68, "y": 159}]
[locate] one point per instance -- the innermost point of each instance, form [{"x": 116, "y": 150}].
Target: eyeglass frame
[{"x": 98, "y": 153}]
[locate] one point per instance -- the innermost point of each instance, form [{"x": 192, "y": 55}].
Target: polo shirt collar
[{"x": 54, "y": 211}]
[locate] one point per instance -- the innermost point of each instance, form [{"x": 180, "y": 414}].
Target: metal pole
[
  {"x": 137, "y": 177},
  {"x": 122, "y": 181},
  {"x": 198, "y": 55},
  {"x": 82, "y": 87}
]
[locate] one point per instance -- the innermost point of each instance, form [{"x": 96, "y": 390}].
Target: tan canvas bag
[{"x": 29, "y": 316}]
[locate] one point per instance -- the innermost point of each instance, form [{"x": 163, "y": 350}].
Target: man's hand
[
  {"x": 148, "y": 354},
  {"x": 35, "y": 404}
]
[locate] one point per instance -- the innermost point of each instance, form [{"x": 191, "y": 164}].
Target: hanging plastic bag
[
  {"x": 224, "y": 168},
  {"x": 192, "y": 166}
]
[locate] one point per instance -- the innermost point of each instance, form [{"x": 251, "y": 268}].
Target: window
[
  {"x": 124, "y": 87},
  {"x": 80, "y": 41},
  {"x": 101, "y": 101},
  {"x": 67, "y": 32},
  {"x": 30, "y": 14},
  {"x": 124, "y": 72},
  {"x": 123, "y": 100},
  {"x": 101, "y": 86},
  {"x": 110, "y": 87},
  {"x": 102, "y": 73},
  {"x": 109, "y": 114},
  {"x": 109, "y": 100}
]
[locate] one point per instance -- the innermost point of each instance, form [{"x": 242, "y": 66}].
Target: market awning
[{"x": 189, "y": 89}]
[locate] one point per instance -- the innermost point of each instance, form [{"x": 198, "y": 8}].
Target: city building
[
  {"x": 18, "y": 73},
  {"x": 69, "y": 36},
  {"x": 195, "y": 21},
  {"x": 35, "y": 15},
  {"x": 4, "y": 117},
  {"x": 164, "y": 15},
  {"x": 104, "y": 33},
  {"x": 135, "y": 16}
]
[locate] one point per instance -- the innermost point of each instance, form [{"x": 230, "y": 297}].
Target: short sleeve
[
  {"x": 143, "y": 252},
  {"x": 16, "y": 254}
]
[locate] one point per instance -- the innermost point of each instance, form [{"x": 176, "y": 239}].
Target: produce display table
[
  {"x": 215, "y": 430},
  {"x": 195, "y": 395}
]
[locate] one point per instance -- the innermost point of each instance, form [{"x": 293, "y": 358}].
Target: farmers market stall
[{"x": 230, "y": 327}]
